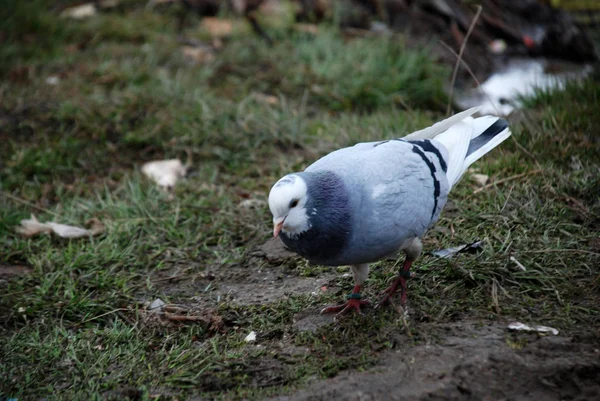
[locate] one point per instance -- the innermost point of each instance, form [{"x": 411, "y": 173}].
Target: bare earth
[
  {"x": 463, "y": 360},
  {"x": 473, "y": 362}
]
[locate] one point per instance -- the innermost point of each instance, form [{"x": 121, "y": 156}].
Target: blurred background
[{"x": 345, "y": 53}]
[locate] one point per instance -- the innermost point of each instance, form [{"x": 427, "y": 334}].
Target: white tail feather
[
  {"x": 439, "y": 127},
  {"x": 495, "y": 141},
  {"x": 457, "y": 138}
]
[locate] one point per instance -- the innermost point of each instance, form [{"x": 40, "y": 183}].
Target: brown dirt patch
[
  {"x": 268, "y": 275},
  {"x": 8, "y": 272},
  {"x": 472, "y": 362}
]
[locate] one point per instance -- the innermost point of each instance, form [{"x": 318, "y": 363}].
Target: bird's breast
[{"x": 318, "y": 247}]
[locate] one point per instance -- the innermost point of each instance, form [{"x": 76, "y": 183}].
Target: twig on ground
[
  {"x": 528, "y": 153},
  {"x": 183, "y": 318},
  {"x": 27, "y": 203},
  {"x": 402, "y": 313},
  {"x": 107, "y": 313},
  {"x": 563, "y": 250},
  {"x": 502, "y": 181},
  {"x": 495, "y": 296},
  {"x": 519, "y": 264}
]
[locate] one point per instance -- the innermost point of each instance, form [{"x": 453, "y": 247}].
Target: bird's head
[{"x": 287, "y": 201}]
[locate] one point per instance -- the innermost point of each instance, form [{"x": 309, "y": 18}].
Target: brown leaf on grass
[
  {"x": 170, "y": 314},
  {"x": 217, "y": 27},
  {"x": 266, "y": 99},
  {"x": 79, "y": 12},
  {"x": 198, "y": 54},
  {"x": 311, "y": 29},
  {"x": 165, "y": 173},
  {"x": 30, "y": 227},
  {"x": 481, "y": 179}
]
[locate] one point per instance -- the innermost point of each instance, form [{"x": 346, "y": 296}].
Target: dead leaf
[
  {"x": 165, "y": 173},
  {"x": 156, "y": 304},
  {"x": 250, "y": 338},
  {"x": 266, "y": 99},
  {"x": 30, "y": 227},
  {"x": 198, "y": 54},
  {"x": 79, "y": 12},
  {"x": 217, "y": 27},
  {"x": 518, "y": 326},
  {"x": 53, "y": 80},
  {"x": 481, "y": 179},
  {"x": 311, "y": 29}
]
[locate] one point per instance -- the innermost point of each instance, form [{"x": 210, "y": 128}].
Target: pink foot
[
  {"x": 389, "y": 292},
  {"x": 399, "y": 282},
  {"x": 352, "y": 304}
]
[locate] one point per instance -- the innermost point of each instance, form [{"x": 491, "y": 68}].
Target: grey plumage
[
  {"x": 390, "y": 192},
  {"x": 373, "y": 199}
]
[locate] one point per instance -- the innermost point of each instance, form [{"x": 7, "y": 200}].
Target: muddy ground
[
  {"x": 461, "y": 360},
  {"x": 473, "y": 361}
]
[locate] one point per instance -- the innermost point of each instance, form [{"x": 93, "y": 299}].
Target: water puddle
[{"x": 500, "y": 93}]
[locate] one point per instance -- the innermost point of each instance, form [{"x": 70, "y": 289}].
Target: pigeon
[{"x": 360, "y": 204}]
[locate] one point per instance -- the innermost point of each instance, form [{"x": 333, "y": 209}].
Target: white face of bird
[{"x": 287, "y": 201}]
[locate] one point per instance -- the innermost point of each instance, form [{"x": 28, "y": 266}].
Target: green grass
[{"x": 76, "y": 327}]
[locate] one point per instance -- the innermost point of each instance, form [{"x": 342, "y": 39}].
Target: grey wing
[
  {"x": 407, "y": 191},
  {"x": 398, "y": 188}
]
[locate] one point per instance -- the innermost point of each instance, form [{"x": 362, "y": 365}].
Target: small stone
[{"x": 156, "y": 304}]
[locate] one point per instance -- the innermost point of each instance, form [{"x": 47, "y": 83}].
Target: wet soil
[
  {"x": 460, "y": 360},
  {"x": 464, "y": 360},
  {"x": 473, "y": 361}
]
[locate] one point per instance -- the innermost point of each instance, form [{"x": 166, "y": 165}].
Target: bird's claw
[
  {"x": 390, "y": 291},
  {"x": 348, "y": 306},
  {"x": 387, "y": 299}
]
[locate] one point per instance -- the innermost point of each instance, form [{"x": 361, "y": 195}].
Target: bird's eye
[{"x": 294, "y": 203}]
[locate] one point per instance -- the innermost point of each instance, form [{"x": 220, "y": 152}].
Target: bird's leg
[
  {"x": 412, "y": 252},
  {"x": 354, "y": 301},
  {"x": 400, "y": 281}
]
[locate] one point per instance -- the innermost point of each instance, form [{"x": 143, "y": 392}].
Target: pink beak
[{"x": 277, "y": 228}]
